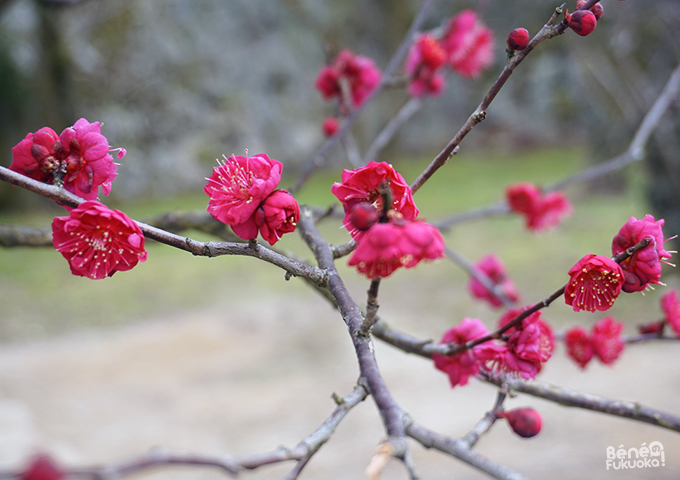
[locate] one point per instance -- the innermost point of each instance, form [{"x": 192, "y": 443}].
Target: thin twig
[
  {"x": 229, "y": 464},
  {"x": 371, "y": 307},
  {"x": 560, "y": 395},
  {"x": 635, "y": 151},
  {"x": 479, "y": 115},
  {"x": 571, "y": 398},
  {"x": 392, "y": 127},
  {"x": 494, "y": 210},
  {"x": 629, "y": 252},
  {"x": 485, "y": 424},
  {"x": 459, "y": 448}
]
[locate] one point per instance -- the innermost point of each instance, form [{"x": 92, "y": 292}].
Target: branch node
[{"x": 479, "y": 116}]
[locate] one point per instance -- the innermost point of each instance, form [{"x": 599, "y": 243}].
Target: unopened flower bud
[
  {"x": 583, "y": 22},
  {"x": 525, "y": 422},
  {"x": 596, "y": 9},
  {"x": 363, "y": 216},
  {"x": 329, "y": 126},
  {"x": 518, "y": 39},
  {"x": 42, "y": 467},
  {"x": 656, "y": 328}
]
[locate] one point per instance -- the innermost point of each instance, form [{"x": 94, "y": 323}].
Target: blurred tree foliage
[{"x": 179, "y": 83}]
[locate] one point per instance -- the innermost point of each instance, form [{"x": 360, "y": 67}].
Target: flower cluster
[
  {"x": 461, "y": 366},
  {"x": 388, "y": 237},
  {"x": 97, "y": 241},
  {"x": 469, "y": 44},
  {"x": 398, "y": 243},
  {"x": 604, "y": 341},
  {"x": 644, "y": 266},
  {"x": 243, "y": 194},
  {"x": 362, "y": 185},
  {"x": 466, "y": 46},
  {"x": 528, "y": 346},
  {"x": 594, "y": 283},
  {"x": 494, "y": 269},
  {"x": 541, "y": 211},
  {"x": 356, "y": 73},
  {"x": 79, "y": 158},
  {"x": 522, "y": 351},
  {"x": 423, "y": 65}
]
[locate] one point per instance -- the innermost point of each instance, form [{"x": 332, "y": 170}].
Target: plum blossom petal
[
  {"x": 469, "y": 43},
  {"x": 606, "y": 340},
  {"x": 97, "y": 241},
  {"x": 595, "y": 283},
  {"x": 541, "y": 211},
  {"x": 493, "y": 267},
  {"x": 361, "y": 185},
  {"x": 423, "y": 63},
  {"x": 278, "y": 214},
  {"x": 579, "y": 347},
  {"x": 79, "y": 158},
  {"x": 644, "y": 266},
  {"x": 670, "y": 304},
  {"x": 385, "y": 247},
  {"x": 239, "y": 184},
  {"x": 461, "y": 366},
  {"x": 360, "y": 73}
]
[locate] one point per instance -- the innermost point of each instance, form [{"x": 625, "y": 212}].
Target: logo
[{"x": 651, "y": 456}]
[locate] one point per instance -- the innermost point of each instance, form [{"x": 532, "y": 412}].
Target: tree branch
[
  {"x": 563, "y": 396},
  {"x": 206, "y": 249},
  {"x": 229, "y": 464},
  {"x": 479, "y": 115},
  {"x": 319, "y": 157},
  {"x": 460, "y": 449},
  {"x": 392, "y": 415},
  {"x": 480, "y": 276},
  {"x": 571, "y": 398},
  {"x": 635, "y": 150},
  {"x": 395, "y": 123}
]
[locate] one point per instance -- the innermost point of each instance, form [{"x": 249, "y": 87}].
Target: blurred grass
[{"x": 40, "y": 297}]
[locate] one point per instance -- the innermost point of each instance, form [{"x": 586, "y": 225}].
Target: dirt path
[{"x": 259, "y": 377}]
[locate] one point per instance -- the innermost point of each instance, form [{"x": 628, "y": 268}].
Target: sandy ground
[{"x": 251, "y": 377}]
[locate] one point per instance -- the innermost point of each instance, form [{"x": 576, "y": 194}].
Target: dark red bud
[
  {"x": 518, "y": 39},
  {"x": 42, "y": 467},
  {"x": 596, "y": 9},
  {"x": 631, "y": 283},
  {"x": 654, "y": 327},
  {"x": 39, "y": 152},
  {"x": 582, "y": 22},
  {"x": 363, "y": 216},
  {"x": 525, "y": 422}
]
